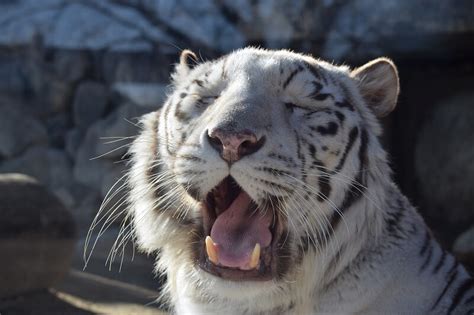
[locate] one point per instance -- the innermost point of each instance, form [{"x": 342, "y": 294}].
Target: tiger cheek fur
[{"x": 263, "y": 185}]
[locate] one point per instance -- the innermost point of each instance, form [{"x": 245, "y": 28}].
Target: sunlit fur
[{"x": 359, "y": 248}]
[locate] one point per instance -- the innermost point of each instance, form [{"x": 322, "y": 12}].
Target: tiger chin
[{"x": 263, "y": 186}]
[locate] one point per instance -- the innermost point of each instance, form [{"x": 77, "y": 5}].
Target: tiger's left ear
[
  {"x": 183, "y": 67},
  {"x": 378, "y": 84}
]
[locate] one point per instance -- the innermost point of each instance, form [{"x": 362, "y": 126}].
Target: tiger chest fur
[{"x": 262, "y": 183}]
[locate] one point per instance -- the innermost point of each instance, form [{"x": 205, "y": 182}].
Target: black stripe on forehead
[
  {"x": 292, "y": 76},
  {"x": 316, "y": 71}
]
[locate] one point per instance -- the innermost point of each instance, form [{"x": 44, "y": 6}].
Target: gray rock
[
  {"x": 76, "y": 25},
  {"x": 355, "y": 33},
  {"x": 110, "y": 26},
  {"x": 98, "y": 169},
  {"x": 71, "y": 66},
  {"x": 151, "y": 95},
  {"x": 88, "y": 169},
  {"x": 18, "y": 130},
  {"x": 57, "y": 125},
  {"x": 90, "y": 103},
  {"x": 56, "y": 96},
  {"x": 136, "y": 67},
  {"x": 87, "y": 207},
  {"x": 50, "y": 166},
  {"x": 12, "y": 76},
  {"x": 35, "y": 227},
  {"x": 444, "y": 162},
  {"x": 104, "y": 145},
  {"x": 341, "y": 28},
  {"x": 73, "y": 141}
]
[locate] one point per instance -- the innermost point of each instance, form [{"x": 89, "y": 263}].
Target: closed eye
[{"x": 292, "y": 106}]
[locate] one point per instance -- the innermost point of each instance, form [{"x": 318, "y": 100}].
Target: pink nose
[{"x": 234, "y": 145}]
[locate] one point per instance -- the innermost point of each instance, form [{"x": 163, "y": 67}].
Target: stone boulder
[
  {"x": 90, "y": 103},
  {"x": 151, "y": 95},
  {"x": 444, "y": 164},
  {"x": 18, "y": 130},
  {"x": 101, "y": 150},
  {"x": 50, "y": 166},
  {"x": 36, "y": 236}
]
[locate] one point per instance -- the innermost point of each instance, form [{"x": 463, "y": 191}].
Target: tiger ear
[
  {"x": 378, "y": 84},
  {"x": 183, "y": 67}
]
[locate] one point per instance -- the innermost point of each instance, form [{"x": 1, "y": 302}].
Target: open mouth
[{"x": 240, "y": 238}]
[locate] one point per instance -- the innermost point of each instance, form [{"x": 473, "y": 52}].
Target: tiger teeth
[
  {"x": 255, "y": 258},
  {"x": 211, "y": 250}
]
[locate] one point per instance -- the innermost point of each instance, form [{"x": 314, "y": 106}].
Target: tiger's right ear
[
  {"x": 182, "y": 69},
  {"x": 379, "y": 85}
]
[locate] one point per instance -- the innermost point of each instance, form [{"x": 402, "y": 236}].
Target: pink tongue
[{"x": 237, "y": 230}]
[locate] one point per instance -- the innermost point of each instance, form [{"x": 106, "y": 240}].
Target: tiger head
[{"x": 249, "y": 169}]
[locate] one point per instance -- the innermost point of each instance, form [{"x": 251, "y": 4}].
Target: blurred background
[{"x": 76, "y": 74}]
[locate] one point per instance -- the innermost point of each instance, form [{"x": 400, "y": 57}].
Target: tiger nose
[{"x": 232, "y": 145}]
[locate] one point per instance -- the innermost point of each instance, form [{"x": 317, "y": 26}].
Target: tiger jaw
[{"x": 241, "y": 241}]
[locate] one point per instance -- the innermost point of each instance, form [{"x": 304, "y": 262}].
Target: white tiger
[{"x": 264, "y": 187}]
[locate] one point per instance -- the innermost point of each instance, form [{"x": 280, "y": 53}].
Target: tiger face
[{"x": 249, "y": 165}]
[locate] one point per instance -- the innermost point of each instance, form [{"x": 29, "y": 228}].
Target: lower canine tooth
[
  {"x": 254, "y": 259},
  {"x": 211, "y": 250}
]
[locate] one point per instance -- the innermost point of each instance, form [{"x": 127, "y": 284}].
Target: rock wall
[{"x": 67, "y": 116}]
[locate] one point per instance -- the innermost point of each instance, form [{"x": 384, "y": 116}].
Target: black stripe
[
  {"x": 324, "y": 188},
  {"x": 292, "y": 76},
  {"x": 460, "y": 292},
  {"x": 224, "y": 73},
  {"x": 323, "y": 179},
  {"x": 312, "y": 151},
  {"x": 427, "y": 259},
  {"x": 345, "y": 104},
  {"x": 352, "y": 195},
  {"x": 316, "y": 94},
  {"x": 453, "y": 272},
  {"x": 392, "y": 222},
  {"x": 309, "y": 114},
  {"x": 357, "y": 187},
  {"x": 333, "y": 223},
  {"x": 469, "y": 300},
  {"x": 323, "y": 182},
  {"x": 301, "y": 157},
  {"x": 340, "y": 116},
  {"x": 363, "y": 158},
  {"x": 352, "y": 137},
  {"x": 440, "y": 263},
  {"x": 425, "y": 243},
  {"x": 330, "y": 129},
  {"x": 313, "y": 69}
]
